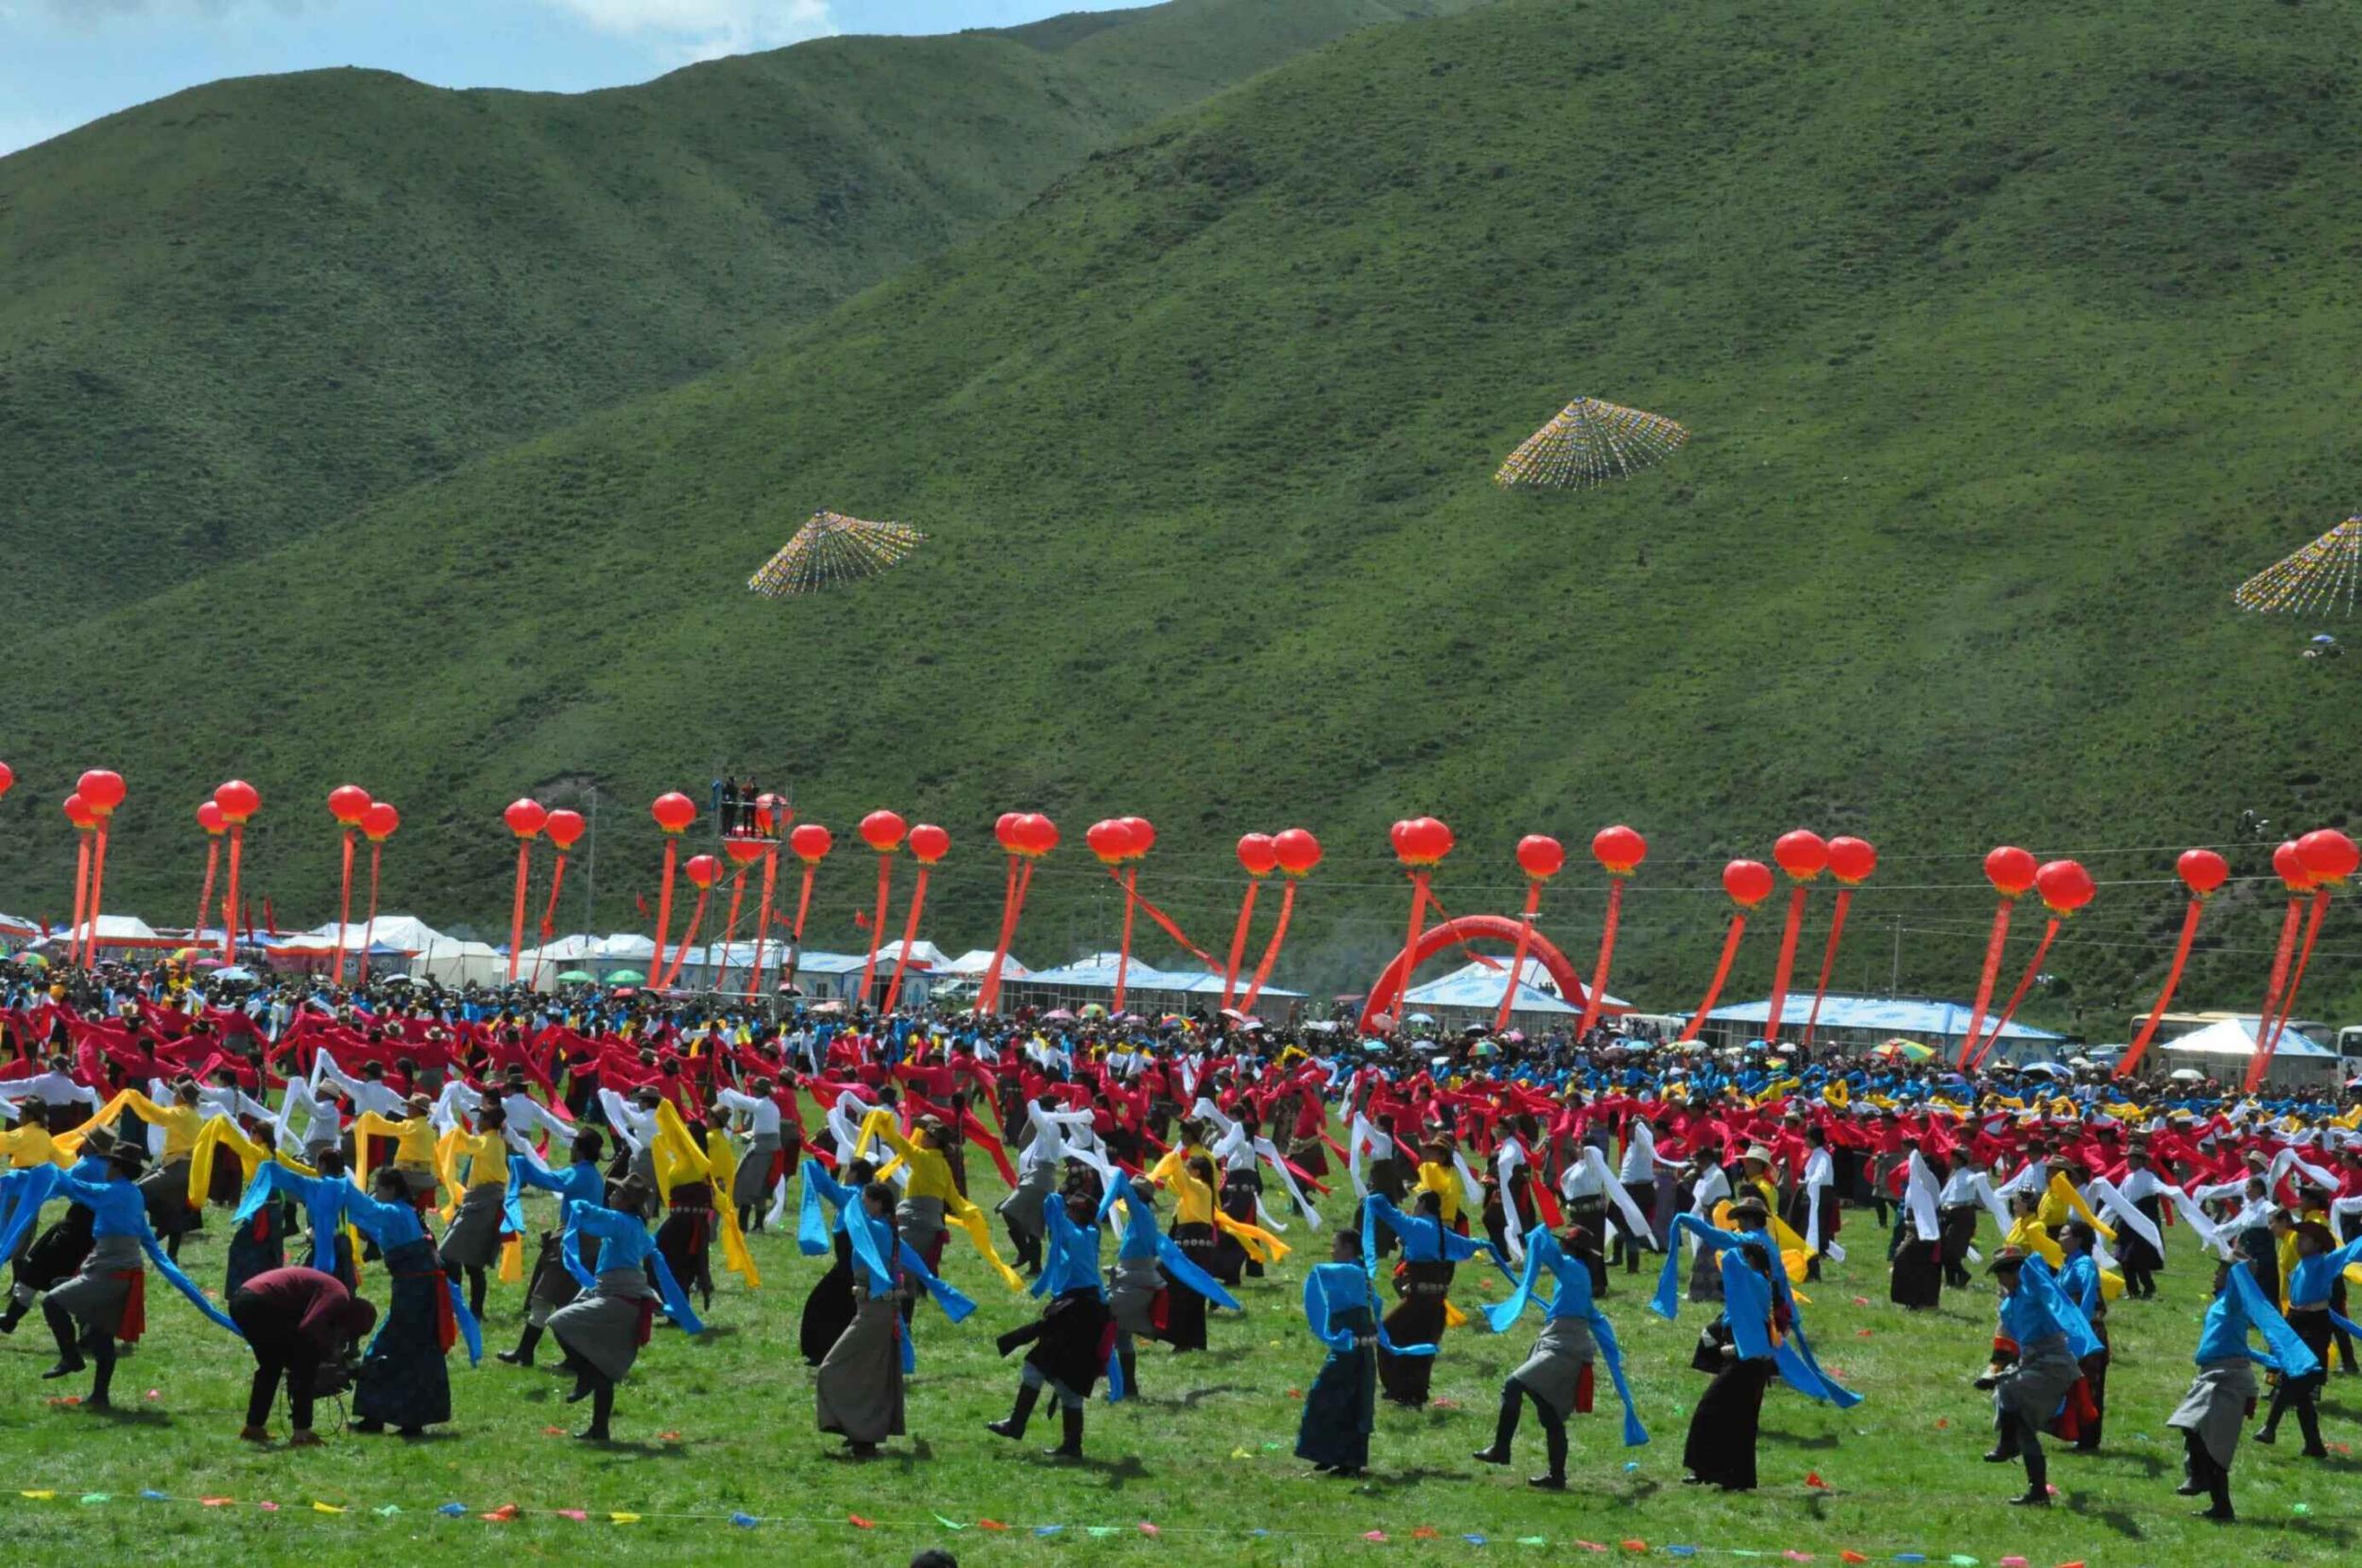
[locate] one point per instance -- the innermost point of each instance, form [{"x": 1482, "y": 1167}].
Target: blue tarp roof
[
  {"x": 1098, "y": 973},
  {"x": 1888, "y": 1015},
  {"x": 1476, "y": 985}
]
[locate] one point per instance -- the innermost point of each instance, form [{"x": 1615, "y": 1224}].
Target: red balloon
[
  {"x": 2328, "y": 855},
  {"x": 7, "y": 778},
  {"x": 77, "y": 812},
  {"x": 1259, "y": 854},
  {"x": 1037, "y": 835},
  {"x": 524, "y": 818},
  {"x": 811, "y": 842},
  {"x": 2011, "y": 870},
  {"x": 1852, "y": 860},
  {"x": 2290, "y": 865},
  {"x": 1298, "y": 851},
  {"x": 674, "y": 812},
  {"x": 743, "y": 851},
  {"x": 1394, "y": 834},
  {"x": 1618, "y": 849},
  {"x": 1425, "y": 842},
  {"x": 378, "y": 821},
  {"x": 1004, "y": 830},
  {"x": 1143, "y": 836},
  {"x": 346, "y": 802},
  {"x": 564, "y": 827},
  {"x": 101, "y": 790},
  {"x": 772, "y": 812},
  {"x": 1747, "y": 883},
  {"x": 882, "y": 831},
  {"x": 1109, "y": 839},
  {"x": 2064, "y": 886},
  {"x": 1802, "y": 853},
  {"x": 209, "y": 817},
  {"x": 2202, "y": 870},
  {"x": 929, "y": 843},
  {"x": 1541, "y": 856},
  {"x": 703, "y": 871},
  {"x": 238, "y": 801}
]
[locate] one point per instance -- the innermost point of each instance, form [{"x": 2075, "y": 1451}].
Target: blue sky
[{"x": 66, "y": 62}]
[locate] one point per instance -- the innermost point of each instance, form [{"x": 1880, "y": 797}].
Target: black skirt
[
  {"x": 1957, "y": 1225},
  {"x": 1916, "y": 1276},
  {"x": 1721, "y": 1444},
  {"x": 1072, "y": 1346},
  {"x": 1185, "y": 1310},
  {"x": 404, "y": 1381},
  {"x": 2133, "y": 1252},
  {"x": 828, "y": 1310},
  {"x": 257, "y": 1247},
  {"x": 56, "y": 1255},
  {"x": 1418, "y": 1320},
  {"x": 1340, "y": 1407}
]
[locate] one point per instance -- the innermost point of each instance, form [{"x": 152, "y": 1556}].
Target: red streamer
[
  {"x": 1518, "y": 955},
  {"x": 1828, "y": 960},
  {"x": 1721, "y": 972},
  {"x": 665, "y": 910},
  {"x": 368, "y": 932},
  {"x": 1994, "y": 945},
  {"x": 795, "y": 937},
  {"x": 549, "y": 919},
  {"x": 81, "y": 900},
  {"x": 1410, "y": 944},
  {"x": 2277, "y": 1005},
  {"x": 213, "y": 864},
  {"x": 1787, "y": 965},
  {"x": 876, "y": 925},
  {"x": 2130, "y": 1061},
  {"x": 517, "y": 917},
  {"x": 97, "y": 891},
  {"x": 1237, "y": 941},
  {"x": 230, "y": 898},
  {"x": 1013, "y": 909},
  {"x": 344, "y": 907},
  {"x": 1598, "y": 998},
  {"x": 730, "y": 927},
  {"x": 1270, "y": 952},
  {"x": 2033, "y": 967},
  {"x": 910, "y": 934},
  {"x": 1131, "y": 881},
  {"x": 696, "y": 917},
  {"x": 763, "y": 919}
]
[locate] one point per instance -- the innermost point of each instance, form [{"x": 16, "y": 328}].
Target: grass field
[{"x": 724, "y": 1425}]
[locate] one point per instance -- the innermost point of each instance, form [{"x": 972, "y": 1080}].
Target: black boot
[
  {"x": 1070, "y": 1443},
  {"x": 587, "y": 1381},
  {"x": 1028, "y": 1396},
  {"x": 1505, "y": 1430},
  {"x": 2037, "y": 1483},
  {"x": 602, "y": 1410},
  {"x": 2220, "y": 1498},
  {"x": 2309, "y": 1423},
  {"x": 61, "y": 1323},
  {"x": 475, "y": 1293},
  {"x": 1129, "y": 1362},
  {"x": 102, "y": 1373},
  {"x": 523, "y": 1355},
  {"x": 1555, "y": 1438},
  {"x": 2005, "y": 1444},
  {"x": 13, "y": 1316},
  {"x": 2268, "y": 1433}
]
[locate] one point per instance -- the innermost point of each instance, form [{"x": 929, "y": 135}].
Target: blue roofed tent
[
  {"x": 1860, "y": 1022},
  {"x": 1472, "y": 995}
]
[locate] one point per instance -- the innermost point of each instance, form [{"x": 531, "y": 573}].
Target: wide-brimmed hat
[
  {"x": 2319, "y": 1233},
  {"x": 2007, "y": 1258},
  {"x": 1757, "y": 1151},
  {"x": 1747, "y": 1206},
  {"x": 132, "y": 1159}
]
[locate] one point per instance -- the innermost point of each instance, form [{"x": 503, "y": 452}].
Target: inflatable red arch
[{"x": 1465, "y": 928}]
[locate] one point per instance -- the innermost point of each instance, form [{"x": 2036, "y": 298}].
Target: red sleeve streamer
[
  {"x": 1131, "y": 882},
  {"x": 517, "y": 920},
  {"x": 81, "y": 900},
  {"x": 665, "y": 910},
  {"x": 2033, "y": 967},
  {"x": 213, "y": 864},
  {"x": 1271, "y": 950},
  {"x": 230, "y": 898},
  {"x": 1994, "y": 945},
  {"x": 1517, "y": 962},
  {"x": 369, "y": 931},
  {"x": 1787, "y": 965},
  {"x": 729, "y": 927},
  {"x": 763, "y": 919},
  {"x": 1597, "y": 989},
  {"x": 696, "y": 917},
  {"x": 1238, "y": 941},
  {"x": 1721, "y": 972},
  {"x": 910, "y": 935},
  {"x": 2277, "y": 1006},
  {"x": 1012, "y": 908},
  {"x": 1828, "y": 960},
  {"x": 877, "y": 924},
  {"x": 344, "y": 908},
  {"x": 2130, "y": 1061}
]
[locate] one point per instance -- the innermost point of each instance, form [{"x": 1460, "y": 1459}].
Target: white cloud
[
  {"x": 90, "y": 12},
  {"x": 688, "y": 31}
]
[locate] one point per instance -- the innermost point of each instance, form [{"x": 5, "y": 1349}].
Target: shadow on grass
[
  {"x": 2115, "y": 1519},
  {"x": 129, "y": 1416},
  {"x": 1190, "y": 1399},
  {"x": 2150, "y": 1465},
  {"x": 1380, "y": 1484},
  {"x": 715, "y": 1332},
  {"x": 1794, "y": 1440}
]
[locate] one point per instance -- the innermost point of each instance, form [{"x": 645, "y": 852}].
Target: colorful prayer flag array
[
  {"x": 834, "y": 549},
  {"x": 2315, "y": 579},
  {"x": 1590, "y": 443}
]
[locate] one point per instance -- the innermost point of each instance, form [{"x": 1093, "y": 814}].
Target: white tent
[
  {"x": 116, "y": 930},
  {"x": 973, "y": 963},
  {"x": 1472, "y": 994},
  {"x": 405, "y": 931},
  {"x": 2224, "y": 1051},
  {"x": 923, "y": 953}
]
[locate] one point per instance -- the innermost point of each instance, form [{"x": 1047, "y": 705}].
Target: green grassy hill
[
  {"x": 2011, "y": 337},
  {"x": 229, "y": 316}
]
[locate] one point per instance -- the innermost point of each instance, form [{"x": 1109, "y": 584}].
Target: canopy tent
[
  {"x": 1472, "y": 995},
  {"x": 925, "y": 956},
  {"x": 405, "y": 931},
  {"x": 1862, "y": 1021},
  {"x": 2224, "y": 1049},
  {"x": 15, "y": 928},
  {"x": 115, "y": 930},
  {"x": 1146, "y": 988},
  {"x": 973, "y": 963}
]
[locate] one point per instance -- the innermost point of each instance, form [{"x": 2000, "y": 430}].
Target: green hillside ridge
[
  {"x": 2011, "y": 337},
  {"x": 229, "y": 316}
]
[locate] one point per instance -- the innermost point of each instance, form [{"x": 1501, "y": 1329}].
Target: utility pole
[
  {"x": 1895, "y": 976},
  {"x": 591, "y": 869}
]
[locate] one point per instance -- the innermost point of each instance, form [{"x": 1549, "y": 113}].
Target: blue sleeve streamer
[
  {"x": 956, "y": 1306},
  {"x": 570, "y": 1252},
  {"x": 675, "y": 1299},
  {"x": 1503, "y": 1316},
  {"x": 25, "y": 1191},
  {"x": 811, "y": 1222},
  {"x": 180, "y": 1282},
  {"x": 875, "y": 1275},
  {"x": 1180, "y": 1270},
  {"x": 1604, "y": 1334},
  {"x": 1316, "y": 1314},
  {"x": 258, "y": 1191},
  {"x": 470, "y": 1332},
  {"x": 2294, "y": 1357}
]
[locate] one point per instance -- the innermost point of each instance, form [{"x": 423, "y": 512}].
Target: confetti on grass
[
  {"x": 831, "y": 549},
  {"x": 1590, "y": 443}
]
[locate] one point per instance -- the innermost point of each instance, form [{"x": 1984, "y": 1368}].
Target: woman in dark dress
[
  {"x": 1736, "y": 1349},
  {"x": 403, "y": 1383},
  {"x": 1340, "y": 1407}
]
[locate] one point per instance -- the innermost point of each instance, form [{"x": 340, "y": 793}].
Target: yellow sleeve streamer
[
  {"x": 677, "y": 1159},
  {"x": 1260, "y": 1244},
  {"x": 71, "y": 1140},
  {"x": 2064, "y": 1190}
]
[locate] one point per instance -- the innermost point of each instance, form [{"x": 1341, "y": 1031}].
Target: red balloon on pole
[
  {"x": 1029, "y": 835},
  {"x": 101, "y": 790},
  {"x": 1297, "y": 850},
  {"x": 1852, "y": 860},
  {"x": 929, "y": 843},
  {"x": 378, "y": 823},
  {"x": 1620, "y": 850},
  {"x": 77, "y": 812},
  {"x": 8, "y": 779},
  {"x": 349, "y": 804},
  {"x": 772, "y": 815},
  {"x": 1039, "y": 835},
  {"x": 2064, "y": 886},
  {"x": 1541, "y": 856},
  {"x": 1802, "y": 853},
  {"x": 565, "y": 828},
  {"x": 811, "y": 842},
  {"x": 745, "y": 851},
  {"x": 1110, "y": 839},
  {"x": 703, "y": 871},
  {"x": 1747, "y": 883},
  {"x": 1004, "y": 830},
  {"x": 209, "y": 817},
  {"x": 1258, "y": 854},
  {"x": 238, "y": 801},
  {"x": 2328, "y": 856},
  {"x": 2289, "y": 865},
  {"x": 525, "y": 818},
  {"x": 674, "y": 812},
  {"x": 1143, "y": 836},
  {"x": 2011, "y": 870},
  {"x": 1423, "y": 843},
  {"x": 2201, "y": 871},
  {"x": 882, "y": 831}
]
